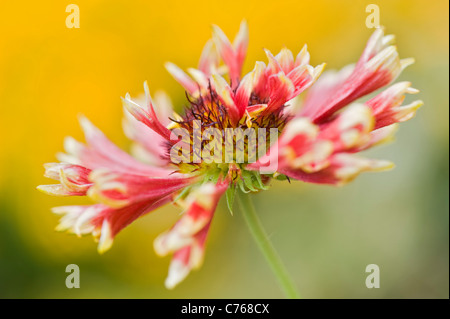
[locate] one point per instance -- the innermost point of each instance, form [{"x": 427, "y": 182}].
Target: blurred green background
[{"x": 49, "y": 74}]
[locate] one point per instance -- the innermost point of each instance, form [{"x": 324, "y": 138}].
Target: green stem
[{"x": 266, "y": 247}]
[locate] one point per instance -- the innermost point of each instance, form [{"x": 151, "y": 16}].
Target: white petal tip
[{"x": 177, "y": 273}]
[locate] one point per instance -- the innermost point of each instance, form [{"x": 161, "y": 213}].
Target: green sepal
[
  {"x": 183, "y": 193},
  {"x": 260, "y": 183},
  {"x": 230, "y": 194},
  {"x": 281, "y": 177},
  {"x": 248, "y": 181},
  {"x": 242, "y": 187}
]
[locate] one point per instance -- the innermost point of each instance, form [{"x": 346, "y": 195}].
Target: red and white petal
[
  {"x": 300, "y": 147},
  {"x": 285, "y": 60},
  {"x": 398, "y": 114},
  {"x": 76, "y": 219},
  {"x": 378, "y": 66},
  {"x": 187, "y": 237},
  {"x": 350, "y": 129},
  {"x": 209, "y": 59},
  {"x": 163, "y": 107},
  {"x": 293, "y": 106},
  {"x": 201, "y": 79},
  {"x": 100, "y": 152},
  {"x": 260, "y": 83},
  {"x": 387, "y": 105},
  {"x": 302, "y": 57},
  {"x": 304, "y": 76},
  {"x": 327, "y": 85},
  {"x": 120, "y": 189},
  {"x": 247, "y": 86},
  {"x": 149, "y": 145},
  {"x": 232, "y": 55},
  {"x": 199, "y": 210},
  {"x": 186, "y": 259},
  {"x": 226, "y": 96},
  {"x": 342, "y": 169},
  {"x": 73, "y": 178},
  {"x": 376, "y": 43},
  {"x": 281, "y": 90},
  {"x": 102, "y": 221},
  {"x": 146, "y": 115},
  {"x": 273, "y": 67},
  {"x": 240, "y": 44},
  {"x": 181, "y": 77},
  {"x": 379, "y": 136},
  {"x": 224, "y": 47},
  {"x": 297, "y": 148}
]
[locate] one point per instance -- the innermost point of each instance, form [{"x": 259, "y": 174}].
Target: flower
[{"x": 195, "y": 158}]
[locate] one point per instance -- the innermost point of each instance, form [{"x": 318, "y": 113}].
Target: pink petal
[
  {"x": 148, "y": 117},
  {"x": 281, "y": 89},
  {"x": 273, "y": 66},
  {"x": 187, "y": 237},
  {"x": 209, "y": 59},
  {"x": 186, "y": 82},
  {"x": 302, "y": 57},
  {"x": 100, "y": 152},
  {"x": 226, "y": 95},
  {"x": 378, "y": 66},
  {"x": 102, "y": 221},
  {"x": 285, "y": 60},
  {"x": 73, "y": 178},
  {"x": 247, "y": 86},
  {"x": 387, "y": 105},
  {"x": 232, "y": 55},
  {"x": 119, "y": 189},
  {"x": 343, "y": 168}
]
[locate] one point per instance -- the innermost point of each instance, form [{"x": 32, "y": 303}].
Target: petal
[
  {"x": 102, "y": 221},
  {"x": 247, "y": 86},
  {"x": 100, "y": 152},
  {"x": 350, "y": 129},
  {"x": 376, "y": 43},
  {"x": 226, "y": 95},
  {"x": 119, "y": 189},
  {"x": 181, "y": 77},
  {"x": 164, "y": 106},
  {"x": 387, "y": 105},
  {"x": 146, "y": 116},
  {"x": 302, "y": 57},
  {"x": 260, "y": 93},
  {"x": 209, "y": 59},
  {"x": 327, "y": 85},
  {"x": 378, "y": 66},
  {"x": 285, "y": 60},
  {"x": 343, "y": 168},
  {"x": 300, "y": 148},
  {"x": 73, "y": 178},
  {"x": 379, "y": 136},
  {"x": 273, "y": 67},
  {"x": 187, "y": 237},
  {"x": 303, "y": 77},
  {"x": 281, "y": 89},
  {"x": 200, "y": 77},
  {"x": 232, "y": 55},
  {"x": 295, "y": 147},
  {"x": 149, "y": 146},
  {"x": 240, "y": 44}
]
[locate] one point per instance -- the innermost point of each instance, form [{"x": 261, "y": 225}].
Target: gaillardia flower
[{"x": 236, "y": 135}]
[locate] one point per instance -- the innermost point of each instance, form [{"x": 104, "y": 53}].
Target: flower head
[{"x": 236, "y": 134}]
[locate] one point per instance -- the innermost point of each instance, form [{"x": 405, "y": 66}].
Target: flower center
[{"x": 213, "y": 145}]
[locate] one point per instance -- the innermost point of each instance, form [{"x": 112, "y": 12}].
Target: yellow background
[{"x": 49, "y": 74}]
